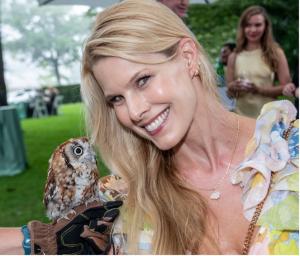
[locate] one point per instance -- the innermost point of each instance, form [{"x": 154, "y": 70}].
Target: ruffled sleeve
[
  {"x": 270, "y": 172},
  {"x": 112, "y": 187}
]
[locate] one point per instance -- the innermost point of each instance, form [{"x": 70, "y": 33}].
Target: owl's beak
[{"x": 90, "y": 158}]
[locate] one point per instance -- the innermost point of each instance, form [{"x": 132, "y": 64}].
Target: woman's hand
[
  {"x": 241, "y": 86},
  {"x": 289, "y": 89},
  {"x": 86, "y": 231}
]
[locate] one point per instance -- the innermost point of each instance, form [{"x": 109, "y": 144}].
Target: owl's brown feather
[{"x": 49, "y": 188}]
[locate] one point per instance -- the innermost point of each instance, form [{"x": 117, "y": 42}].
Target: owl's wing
[{"x": 50, "y": 187}]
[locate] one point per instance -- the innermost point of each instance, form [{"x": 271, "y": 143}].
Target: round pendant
[{"x": 215, "y": 195}]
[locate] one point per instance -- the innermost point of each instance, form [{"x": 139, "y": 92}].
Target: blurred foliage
[
  {"x": 216, "y": 23},
  {"x": 71, "y": 93}
]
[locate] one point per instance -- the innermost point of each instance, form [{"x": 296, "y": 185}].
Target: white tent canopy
[{"x": 99, "y": 3}]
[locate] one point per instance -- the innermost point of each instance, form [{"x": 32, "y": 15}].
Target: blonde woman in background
[
  {"x": 179, "y": 155},
  {"x": 257, "y": 60}
]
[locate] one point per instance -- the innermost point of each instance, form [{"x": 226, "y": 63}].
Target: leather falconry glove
[{"x": 86, "y": 231}]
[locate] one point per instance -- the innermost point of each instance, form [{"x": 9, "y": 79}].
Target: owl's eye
[{"x": 78, "y": 151}]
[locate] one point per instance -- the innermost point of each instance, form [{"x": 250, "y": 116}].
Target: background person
[
  {"x": 49, "y": 96},
  {"x": 180, "y": 7},
  {"x": 257, "y": 60},
  {"x": 220, "y": 67},
  {"x": 292, "y": 89}
]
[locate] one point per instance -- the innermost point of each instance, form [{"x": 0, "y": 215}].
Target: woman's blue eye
[{"x": 143, "y": 80}]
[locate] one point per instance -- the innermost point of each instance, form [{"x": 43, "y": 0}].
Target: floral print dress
[{"x": 269, "y": 173}]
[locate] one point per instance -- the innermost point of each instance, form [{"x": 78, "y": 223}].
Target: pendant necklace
[{"x": 216, "y": 194}]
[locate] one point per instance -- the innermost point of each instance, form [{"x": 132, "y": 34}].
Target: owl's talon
[
  {"x": 72, "y": 212},
  {"x": 91, "y": 201},
  {"x": 63, "y": 217}
]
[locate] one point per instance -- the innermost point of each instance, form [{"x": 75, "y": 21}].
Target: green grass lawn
[{"x": 21, "y": 195}]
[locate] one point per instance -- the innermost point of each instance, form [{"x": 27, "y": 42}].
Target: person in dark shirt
[{"x": 220, "y": 67}]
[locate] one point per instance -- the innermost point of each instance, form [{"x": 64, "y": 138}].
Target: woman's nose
[
  {"x": 137, "y": 107},
  {"x": 252, "y": 28}
]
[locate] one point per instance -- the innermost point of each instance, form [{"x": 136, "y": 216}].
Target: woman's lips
[{"x": 155, "y": 126}]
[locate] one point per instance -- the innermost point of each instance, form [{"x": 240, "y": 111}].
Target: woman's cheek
[{"x": 122, "y": 116}]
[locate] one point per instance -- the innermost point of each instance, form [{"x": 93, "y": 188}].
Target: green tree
[{"x": 50, "y": 36}]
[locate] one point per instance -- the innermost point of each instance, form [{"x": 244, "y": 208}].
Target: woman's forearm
[
  {"x": 11, "y": 241},
  {"x": 270, "y": 91}
]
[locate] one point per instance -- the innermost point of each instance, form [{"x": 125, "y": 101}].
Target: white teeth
[{"x": 158, "y": 121}]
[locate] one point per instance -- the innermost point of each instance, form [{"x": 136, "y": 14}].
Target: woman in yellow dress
[{"x": 257, "y": 60}]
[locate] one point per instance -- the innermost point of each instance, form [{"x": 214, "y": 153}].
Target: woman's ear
[{"x": 188, "y": 51}]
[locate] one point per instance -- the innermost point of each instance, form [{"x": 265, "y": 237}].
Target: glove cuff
[{"x": 43, "y": 239}]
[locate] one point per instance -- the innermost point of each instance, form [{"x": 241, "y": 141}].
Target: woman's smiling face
[
  {"x": 156, "y": 101},
  {"x": 255, "y": 28}
]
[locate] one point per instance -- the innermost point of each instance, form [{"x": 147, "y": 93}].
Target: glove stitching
[
  {"x": 64, "y": 234},
  {"x": 84, "y": 216}
]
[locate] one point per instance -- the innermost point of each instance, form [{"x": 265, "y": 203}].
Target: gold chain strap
[{"x": 248, "y": 238}]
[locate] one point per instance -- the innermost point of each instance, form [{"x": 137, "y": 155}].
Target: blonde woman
[
  {"x": 257, "y": 60},
  {"x": 152, "y": 112},
  {"x": 179, "y": 155}
]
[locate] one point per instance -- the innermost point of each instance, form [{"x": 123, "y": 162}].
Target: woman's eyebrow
[{"x": 132, "y": 79}]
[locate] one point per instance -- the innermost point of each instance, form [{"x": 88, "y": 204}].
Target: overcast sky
[
  {"x": 20, "y": 75},
  {"x": 24, "y": 74}
]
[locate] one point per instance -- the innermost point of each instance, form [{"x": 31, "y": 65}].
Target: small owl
[{"x": 72, "y": 178}]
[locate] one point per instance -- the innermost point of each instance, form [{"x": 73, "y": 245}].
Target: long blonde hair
[
  {"x": 156, "y": 194},
  {"x": 268, "y": 45}
]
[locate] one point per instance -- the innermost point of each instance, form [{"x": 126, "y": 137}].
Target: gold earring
[{"x": 196, "y": 73}]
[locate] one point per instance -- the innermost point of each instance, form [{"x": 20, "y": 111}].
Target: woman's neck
[
  {"x": 205, "y": 157},
  {"x": 209, "y": 138},
  {"x": 251, "y": 46},
  {"x": 209, "y": 144}
]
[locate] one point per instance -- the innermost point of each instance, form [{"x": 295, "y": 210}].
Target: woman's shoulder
[{"x": 231, "y": 59}]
